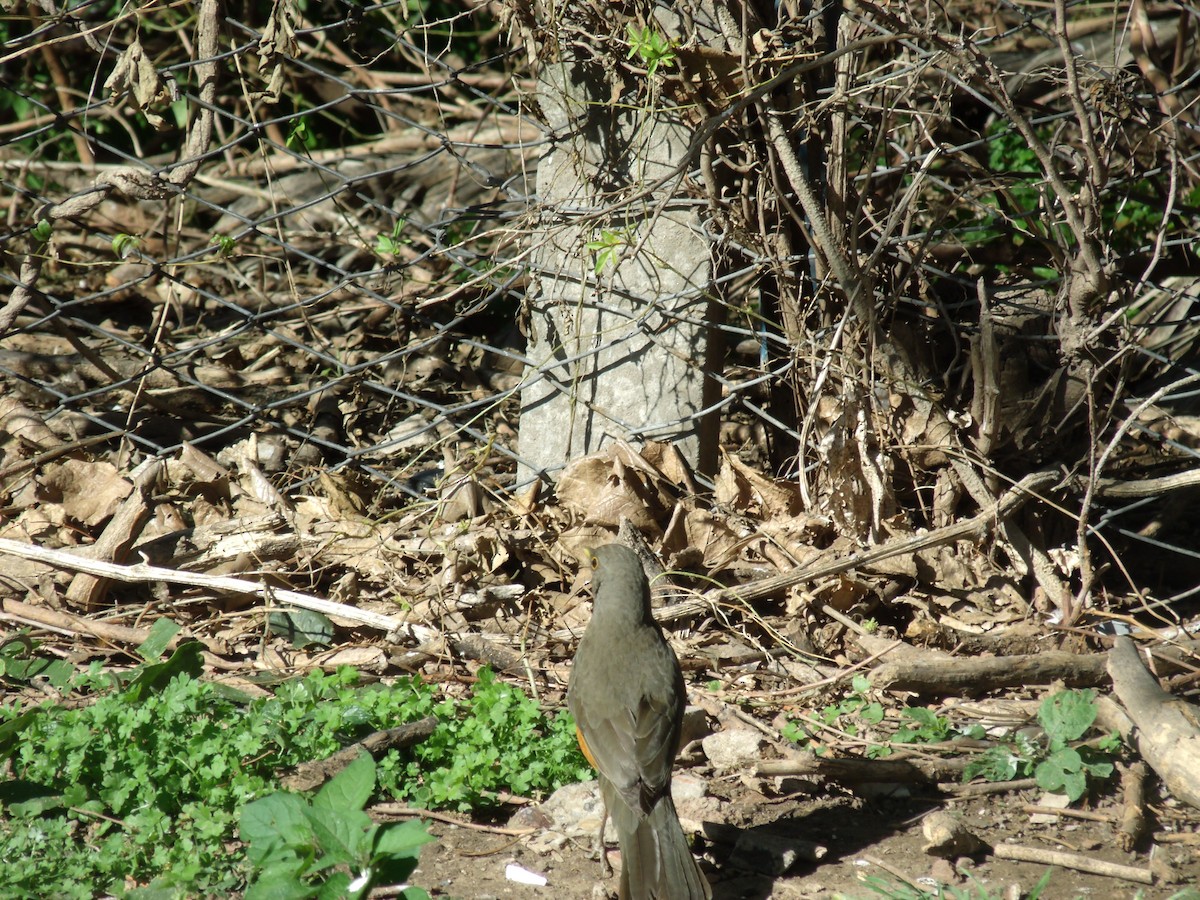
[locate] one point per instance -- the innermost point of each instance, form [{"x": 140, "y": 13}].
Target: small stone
[
  {"x": 735, "y": 749},
  {"x": 943, "y": 871},
  {"x": 946, "y": 836},
  {"x": 688, "y": 787},
  {"x": 573, "y": 809}
]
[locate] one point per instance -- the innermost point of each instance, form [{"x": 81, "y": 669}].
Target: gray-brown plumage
[{"x": 627, "y": 697}]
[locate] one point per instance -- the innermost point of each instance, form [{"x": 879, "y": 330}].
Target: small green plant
[
  {"x": 225, "y": 245},
  {"x": 1058, "y": 767},
  {"x": 846, "y": 716},
  {"x": 498, "y": 740},
  {"x": 124, "y": 245},
  {"x": 922, "y": 726},
  {"x": 607, "y": 247},
  {"x": 390, "y": 244},
  {"x": 328, "y": 847},
  {"x": 300, "y": 137},
  {"x": 42, "y": 231},
  {"x": 652, "y": 47}
]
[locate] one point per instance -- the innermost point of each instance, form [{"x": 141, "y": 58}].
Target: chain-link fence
[{"x": 948, "y": 248}]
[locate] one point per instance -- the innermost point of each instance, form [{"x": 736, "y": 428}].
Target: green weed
[
  {"x": 328, "y": 847},
  {"x": 652, "y": 47},
  {"x": 141, "y": 783},
  {"x": 1065, "y": 717}
]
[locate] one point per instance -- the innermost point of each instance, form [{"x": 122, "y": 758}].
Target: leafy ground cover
[{"x": 141, "y": 781}]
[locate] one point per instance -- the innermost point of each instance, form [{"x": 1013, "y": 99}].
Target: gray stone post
[{"x": 621, "y": 269}]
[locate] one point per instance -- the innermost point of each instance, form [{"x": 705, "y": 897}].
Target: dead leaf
[
  {"x": 89, "y": 491},
  {"x": 369, "y": 659},
  {"x": 135, "y": 75},
  {"x": 667, "y": 459},
  {"x": 278, "y": 41},
  {"x": 611, "y": 484},
  {"x": 712, "y": 536},
  {"x": 743, "y": 490}
]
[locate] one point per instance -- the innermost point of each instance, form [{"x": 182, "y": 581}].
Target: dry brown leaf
[
  {"x": 88, "y": 491},
  {"x": 926, "y": 432},
  {"x": 135, "y": 75},
  {"x": 713, "y": 537},
  {"x": 667, "y": 459},
  {"x": 370, "y": 659},
  {"x": 611, "y": 484},
  {"x": 842, "y": 592},
  {"x": 743, "y": 490},
  {"x": 459, "y": 494},
  {"x": 948, "y": 568},
  {"x": 796, "y": 536}
]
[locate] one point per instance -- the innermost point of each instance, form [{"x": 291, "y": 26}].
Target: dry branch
[
  {"x": 65, "y": 622},
  {"x": 975, "y": 527},
  {"x": 1133, "y": 806},
  {"x": 1073, "y": 861},
  {"x": 941, "y": 675},
  {"x": 1165, "y": 731},
  {"x": 914, "y": 769},
  {"x": 311, "y": 775},
  {"x": 141, "y": 573}
]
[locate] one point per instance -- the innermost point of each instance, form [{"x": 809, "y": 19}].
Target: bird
[{"x": 627, "y": 696}]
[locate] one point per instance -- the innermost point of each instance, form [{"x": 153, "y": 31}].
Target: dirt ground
[{"x": 880, "y": 837}]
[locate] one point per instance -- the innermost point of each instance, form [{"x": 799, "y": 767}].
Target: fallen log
[{"x": 1165, "y": 731}]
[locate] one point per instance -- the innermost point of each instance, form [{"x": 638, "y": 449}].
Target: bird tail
[{"x": 656, "y": 861}]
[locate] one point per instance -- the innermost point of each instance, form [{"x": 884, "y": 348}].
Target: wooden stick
[
  {"x": 1035, "y": 810},
  {"x": 916, "y": 769},
  {"x": 1132, "y": 830},
  {"x": 925, "y": 673},
  {"x": 964, "y": 791},
  {"x": 1072, "y": 861},
  {"x": 216, "y": 583}
]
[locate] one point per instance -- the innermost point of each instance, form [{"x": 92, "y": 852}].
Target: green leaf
[
  {"x": 1068, "y": 715},
  {"x": 29, "y": 799},
  {"x": 343, "y": 835},
  {"x": 161, "y": 633},
  {"x": 57, "y": 672},
  {"x": 1062, "y": 772},
  {"x": 397, "y": 849},
  {"x": 186, "y": 660},
  {"x": 871, "y": 713},
  {"x": 302, "y": 627},
  {"x": 1096, "y": 763},
  {"x": 125, "y": 245},
  {"x": 273, "y": 827},
  {"x": 401, "y": 839},
  {"x": 351, "y": 788},
  {"x": 337, "y": 887},
  {"x": 280, "y": 882},
  {"x": 996, "y": 764},
  {"x": 225, "y": 245}
]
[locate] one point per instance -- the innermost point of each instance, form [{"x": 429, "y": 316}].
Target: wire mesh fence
[{"x": 948, "y": 248}]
